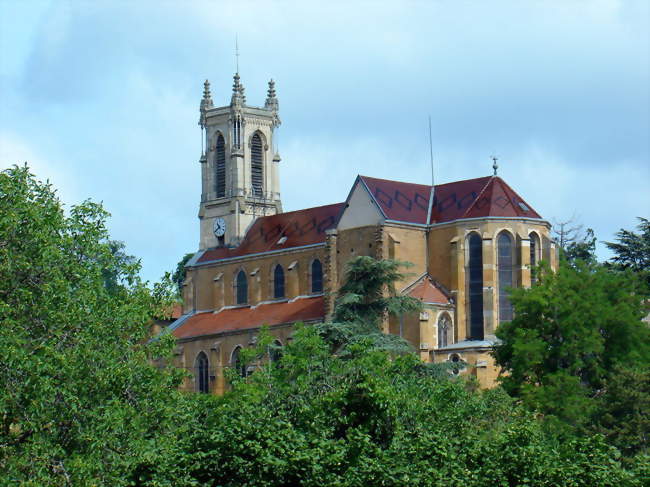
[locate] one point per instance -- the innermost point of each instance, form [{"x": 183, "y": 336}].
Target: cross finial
[{"x": 495, "y": 166}]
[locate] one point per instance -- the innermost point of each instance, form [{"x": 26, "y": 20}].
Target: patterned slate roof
[
  {"x": 302, "y": 227},
  {"x": 488, "y": 196},
  {"x": 233, "y": 319}
]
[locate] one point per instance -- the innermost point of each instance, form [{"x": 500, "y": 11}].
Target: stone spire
[
  {"x": 238, "y": 96},
  {"x": 206, "y": 102},
  {"x": 271, "y": 100}
]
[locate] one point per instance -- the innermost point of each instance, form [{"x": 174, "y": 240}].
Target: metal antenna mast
[
  {"x": 432, "y": 194},
  {"x": 236, "y": 53}
]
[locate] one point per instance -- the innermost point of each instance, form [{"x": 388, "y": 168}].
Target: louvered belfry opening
[
  {"x": 220, "y": 171},
  {"x": 257, "y": 166}
]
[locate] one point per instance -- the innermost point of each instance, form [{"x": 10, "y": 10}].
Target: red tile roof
[
  {"x": 302, "y": 309},
  {"x": 489, "y": 196},
  {"x": 428, "y": 291},
  {"x": 302, "y": 227}
]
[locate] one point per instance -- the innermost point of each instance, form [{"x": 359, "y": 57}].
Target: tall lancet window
[
  {"x": 475, "y": 285},
  {"x": 201, "y": 373},
  {"x": 278, "y": 282},
  {"x": 220, "y": 167},
  {"x": 241, "y": 288},
  {"x": 444, "y": 330},
  {"x": 506, "y": 275},
  {"x": 316, "y": 276},
  {"x": 534, "y": 248},
  {"x": 257, "y": 165}
]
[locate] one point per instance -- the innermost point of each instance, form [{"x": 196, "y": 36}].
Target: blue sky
[{"x": 102, "y": 98}]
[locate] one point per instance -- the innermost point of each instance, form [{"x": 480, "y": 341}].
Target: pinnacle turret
[
  {"x": 271, "y": 100},
  {"x": 206, "y": 102},
  {"x": 238, "y": 96}
]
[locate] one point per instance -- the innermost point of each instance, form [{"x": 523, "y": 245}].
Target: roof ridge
[{"x": 478, "y": 196}]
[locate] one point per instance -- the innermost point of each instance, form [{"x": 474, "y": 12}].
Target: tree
[
  {"x": 632, "y": 250},
  {"x": 80, "y": 401},
  {"x": 571, "y": 333},
  {"x": 178, "y": 277},
  {"x": 366, "y": 297},
  {"x": 318, "y": 419},
  {"x": 575, "y": 243}
]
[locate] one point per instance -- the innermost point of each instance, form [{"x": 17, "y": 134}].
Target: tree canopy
[
  {"x": 80, "y": 402},
  {"x": 573, "y": 335}
]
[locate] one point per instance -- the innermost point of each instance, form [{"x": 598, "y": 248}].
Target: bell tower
[{"x": 239, "y": 165}]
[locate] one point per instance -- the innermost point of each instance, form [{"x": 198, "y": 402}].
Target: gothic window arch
[
  {"x": 444, "y": 330},
  {"x": 506, "y": 274},
  {"x": 316, "y": 271},
  {"x": 236, "y": 361},
  {"x": 241, "y": 288},
  {"x": 257, "y": 165},
  {"x": 474, "y": 274},
  {"x": 534, "y": 253},
  {"x": 201, "y": 373},
  {"x": 220, "y": 166},
  {"x": 278, "y": 282},
  {"x": 275, "y": 351}
]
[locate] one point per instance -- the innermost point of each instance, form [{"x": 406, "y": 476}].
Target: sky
[{"x": 102, "y": 99}]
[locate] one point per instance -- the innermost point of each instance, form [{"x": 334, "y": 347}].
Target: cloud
[{"x": 106, "y": 95}]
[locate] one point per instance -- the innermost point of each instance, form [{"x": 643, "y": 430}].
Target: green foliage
[
  {"x": 580, "y": 250},
  {"x": 366, "y": 297},
  {"x": 573, "y": 334},
  {"x": 369, "y": 292},
  {"x": 317, "y": 419},
  {"x": 632, "y": 250},
  {"x": 178, "y": 277},
  {"x": 80, "y": 402}
]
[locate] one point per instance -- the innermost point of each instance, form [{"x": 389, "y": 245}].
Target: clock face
[{"x": 219, "y": 227}]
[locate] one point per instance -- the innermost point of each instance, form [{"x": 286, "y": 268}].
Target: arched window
[
  {"x": 201, "y": 373},
  {"x": 316, "y": 276},
  {"x": 534, "y": 249},
  {"x": 444, "y": 330},
  {"x": 506, "y": 275},
  {"x": 236, "y": 362},
  {"x": 275, "y": 351},
  {"x": 241, "y": 288},
  {"x": 475, "y": 285},
  {"x": 257, "y": 165},
  {"x": 220, "y": 167},
  {"x": 278, "y": 282}
]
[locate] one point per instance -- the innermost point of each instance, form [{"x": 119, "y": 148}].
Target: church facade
[{"x": 469, "y": 242}]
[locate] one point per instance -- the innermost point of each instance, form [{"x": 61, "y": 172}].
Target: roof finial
[{"x": 495, "y": 166}]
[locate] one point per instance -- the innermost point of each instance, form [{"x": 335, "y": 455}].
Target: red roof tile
[
  {"x": 428, "y": 292},
  {"x": 302, "y": 227},
  {"x": 302, "y": 309},
  {"x": 471, "y": 198}
]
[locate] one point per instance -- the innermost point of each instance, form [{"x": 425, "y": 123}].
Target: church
[{"x": 469, "y": 241}]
